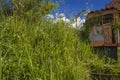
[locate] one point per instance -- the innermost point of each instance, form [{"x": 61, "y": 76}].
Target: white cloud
[
  {"x": 61, "y": 16},
  {"x": 78, "y": 22},
  {"x": 50, "y": 16}
]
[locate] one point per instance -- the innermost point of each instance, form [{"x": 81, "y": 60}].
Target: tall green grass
[{"x": 44, "y": 51}]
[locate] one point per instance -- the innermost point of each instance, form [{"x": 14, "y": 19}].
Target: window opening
[{"x": 108, "y": 18}]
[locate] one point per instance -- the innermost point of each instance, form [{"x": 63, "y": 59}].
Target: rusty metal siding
[
  {"x": 97, "y": 36},
  {"x": 107, "y": 34}
]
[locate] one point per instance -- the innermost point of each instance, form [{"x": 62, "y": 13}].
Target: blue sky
[{"x": 72, "y": 7}]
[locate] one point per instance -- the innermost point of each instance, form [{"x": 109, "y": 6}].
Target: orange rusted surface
[
  {"x": 114, "y": 4},
  {"x": 105, "y": 11},
  {"x": 100, "y": 43},
  {"x": 110, "y": 44},
  {"x": 97, "y": 43},
  {"x": 118, "y": 41},
  {"x": 107, "y": 34}
]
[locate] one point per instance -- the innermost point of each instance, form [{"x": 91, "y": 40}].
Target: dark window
[
  {"x": 108, "y": 18},
  {"x": 96, "y": 20}
]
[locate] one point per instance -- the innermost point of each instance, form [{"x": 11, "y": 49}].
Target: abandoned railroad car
[{"x": 104, "y": 32}]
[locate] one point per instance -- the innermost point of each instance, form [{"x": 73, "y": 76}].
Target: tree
[
  {"x": 35, "y": 6},
  {"x": 5, "y": 6},
  {"x": 28, "y": 9}
]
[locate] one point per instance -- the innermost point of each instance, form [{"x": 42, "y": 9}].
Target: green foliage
[
  {"x": 31, "y": 10},
  {"x": 44, "y": 52},
  {"x": 99, "y": 64},
  {"x": 37, "y": 49},
  {"x": 116, "y": 26},
  {"x": 35, "y": 6}
]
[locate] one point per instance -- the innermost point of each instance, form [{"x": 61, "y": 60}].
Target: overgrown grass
[
  {"x": 46, "y": 51},
  {"x": 41, "y": 52}
]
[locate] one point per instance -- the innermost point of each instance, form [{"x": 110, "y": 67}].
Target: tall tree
[
  {"x": 35, "y": 6},
  {"x": 27, "y": 8}
]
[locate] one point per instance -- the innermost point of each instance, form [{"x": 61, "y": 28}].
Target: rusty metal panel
[
  {"x": 114, "y": 4},
  {"x": 97, "y": 43},
  {"x": 118, "y": 42},
  {"x": 96, "y": 36},
  {"x": 107, "y": 34},
  {"x": 104, "y": 35},
  {"x": 101, "y": 35}
]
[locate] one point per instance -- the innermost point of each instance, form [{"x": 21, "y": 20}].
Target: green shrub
[{"x": 40, "y": 52}]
